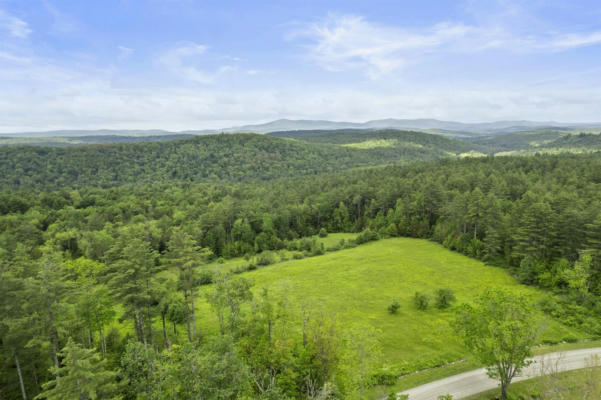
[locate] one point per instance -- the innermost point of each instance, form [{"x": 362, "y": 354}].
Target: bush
[
  {"x": 366, "y": 236},
  {"x": 205, "y": 278},
  {"x": 298, "y": 256},
  {"x": 445, "y": 397},
  {"x": 317, "y": 249},
  {"x": 385, "y": 377},
  {"x": 570, "y": 339},
  {"x": 421, "y": 301},
  {"x": 393, "y": 308},
  {"x": 444, "y": 298},
  {"x": 265, "y": 258},
  {"x": 323, "y": 233}
]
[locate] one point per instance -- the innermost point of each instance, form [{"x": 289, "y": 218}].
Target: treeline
[
  {"x": 71, "y": 257},
  {"x": 213, "y": 158}
]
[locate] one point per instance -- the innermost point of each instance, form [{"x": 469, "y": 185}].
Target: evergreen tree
[{"x": 83, "y": 376}]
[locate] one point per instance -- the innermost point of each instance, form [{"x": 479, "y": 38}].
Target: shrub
[
  {"x": 265, "y": 258},
  {"x": 393, "y": 308},
  {"x": 323, "y": 233},
  {"x": 366, "y": 236},
  {"x": 205, "y": 278},
  {"x": 444, "y": 298},
  {"x": 298, "y": 256},
  {"x": 570, "y": 339},
  {"x": 385, "y": 377},
  {"x": 445, "y": 397},
  {"x": 317, "y": 249},
  {"x": 421, "y": 301}
]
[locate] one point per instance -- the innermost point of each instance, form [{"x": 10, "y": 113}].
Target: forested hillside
[
  {"x": 79, "y": 265},
  {"x": 542, "y": 140},
  {"x": 235, "y": 157},
  {"x": 386, "y": 137},
  {"x": 92, "y": 139}
]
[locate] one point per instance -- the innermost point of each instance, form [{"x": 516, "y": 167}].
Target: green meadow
[{"x": 358, "y": 284}]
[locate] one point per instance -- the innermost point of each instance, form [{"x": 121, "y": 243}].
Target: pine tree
[
  {"x": 185, "y": 255},
  {"x": 83, "y": 376},
  {"x": 130, "y": 282}
]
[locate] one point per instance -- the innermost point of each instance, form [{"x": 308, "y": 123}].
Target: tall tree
[
  {"x": 500, "y": 330},
  {"x": 84, "y": 376},
  {"x": 130, "y": 278},
  {"x": 185, "y": 255}
]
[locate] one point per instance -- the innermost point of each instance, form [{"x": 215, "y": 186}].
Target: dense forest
[
  {"x": 396, "y": 138},
  {"x": 76, "y": 259},
  {"x": 15, "y": 140},
  {"x": 236, "y": 157}
]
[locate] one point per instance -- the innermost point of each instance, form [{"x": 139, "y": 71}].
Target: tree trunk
[
  {"x": 504, "y": 391},
  {"x": 23, "y": 393},
  {"x": 149, "y": 313},
  {"x": 141, "y": 322},
  {"x": 165, "y": 339},
  {"x": 54, "y": 346},
  {"x": 137, "y": 327},
  {"x": 174, "y": 329},
  {"x": 193, "y": 314},
  {"x": 102, "y": 341},
  {"x": 187, "y": 315},
  {"x": 55, "y": 355}
]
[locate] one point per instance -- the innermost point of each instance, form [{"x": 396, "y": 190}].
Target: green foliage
[
  {"x": 213, "y": 372},
  {"x": 366, "y": 236},
  {"x": 233, "y": 157},
  {"x": 323, "y": 233},
  {"x": 500, "y": 329},
  {"x": 444, "y": 297},
  {"x": 394, "y": 307},
  {"x": 265, "y": 258},
  {"x": 421, "y": 301},
  {"x": 83, "y": 375}
]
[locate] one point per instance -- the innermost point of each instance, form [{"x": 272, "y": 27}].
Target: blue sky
[{"x": 186, "y": 64}]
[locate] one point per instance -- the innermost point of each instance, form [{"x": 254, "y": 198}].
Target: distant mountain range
[{"x": 449, "y": 128}]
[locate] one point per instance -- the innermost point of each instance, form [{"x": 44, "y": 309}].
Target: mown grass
[{"x": 358, "y": 284}]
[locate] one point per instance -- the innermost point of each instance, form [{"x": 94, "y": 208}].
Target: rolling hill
[
  {"x": 237, "y": 157},
  {"x": 383, "y": 138}
]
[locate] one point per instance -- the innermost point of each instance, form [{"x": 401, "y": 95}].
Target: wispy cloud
[
  {"x": 15, "y": 27},
  {"x": 124, "y": 52},
  {"x": 349, "y": 41},
  {"x": 572, "y": 40},
  {"x": 345, "y": 42},
  {"x": 180, "y": 61}
]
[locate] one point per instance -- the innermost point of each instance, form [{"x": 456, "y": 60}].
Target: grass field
[
  {"x": 572, "y": 385},
  {"x": 358, "y": 284}
]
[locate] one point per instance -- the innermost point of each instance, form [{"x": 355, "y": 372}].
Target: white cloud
[
  {"x": 12, "y": 58},
  {"x": 179, "y": 61},
  {"x": 572, "y": 40},
  {"x": 14, "y": 26},
  {"x": 347, "y": 42},
  {"x": 92, "y": 104},
  {"x": 124, "y": 52}
]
